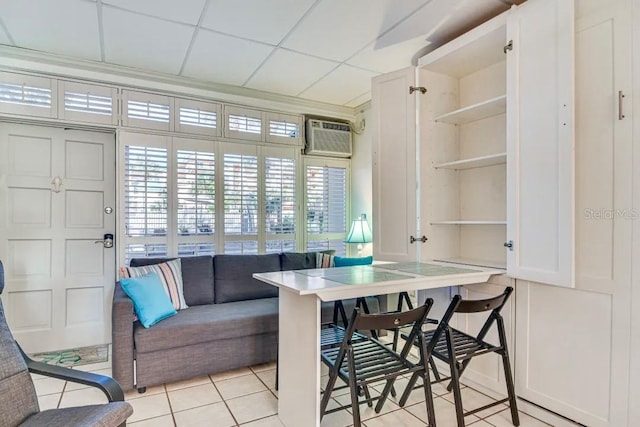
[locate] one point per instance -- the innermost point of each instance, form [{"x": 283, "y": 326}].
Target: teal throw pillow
[
  {"x": 345, "y": 262},
  {"x": 150, "y": 301}
]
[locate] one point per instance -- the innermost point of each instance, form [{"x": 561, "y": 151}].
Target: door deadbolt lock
[
  {"x": 107, "y": 242},
  {"x": 108, "y": 210}
]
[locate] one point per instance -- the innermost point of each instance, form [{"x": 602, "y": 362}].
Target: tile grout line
[{"x": 235, "y": 420}]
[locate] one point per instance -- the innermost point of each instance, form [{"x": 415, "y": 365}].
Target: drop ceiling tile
[
  {"x": 289, "y": 73},
  {"x": 224, "y": 59},
  {"x": 187, "y": 11},
  {"x": 390, "y": 58},
  {"x": 266, "y": 21},
  {"x": 341, "y": 86},
  {"x": 359, "y": 100},
  {"x": 66, "y": 27},
  {"x": 336, "y": 29},
  {"x": 139, "y": 41}
]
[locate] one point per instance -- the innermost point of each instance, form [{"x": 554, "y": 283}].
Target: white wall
[{"x": 361, "y": 179}]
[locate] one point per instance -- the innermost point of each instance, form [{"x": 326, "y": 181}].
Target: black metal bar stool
[
  {"x": 364, "y": 362},
  {"x": 457, "y": 348}
]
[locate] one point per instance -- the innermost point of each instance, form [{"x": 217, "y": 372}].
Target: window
[
  {"x": 241, "y": 202},
  {"x": 24, "y": 94},
  {"x": 284, "y": 129},
  {"x": 326, "y": 204},
  {"x": 280, "y": 202},
  {"x": 87, "y": 102},
  {"x": 198, "y": 117},
  {"x": 195, "y": 194},
  {"x": 206, "y": 119},
  {"x": 243, "y": 123},
  {"x": 146, "y": 110},
  {"x": 145, "y": 201},
  {"x": 28, "y": 95}
]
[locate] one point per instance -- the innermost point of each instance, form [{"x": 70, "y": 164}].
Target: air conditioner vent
[{"x": 328, "y": 138}]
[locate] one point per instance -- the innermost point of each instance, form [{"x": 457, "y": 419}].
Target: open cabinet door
[
  {"x": 540, "y": 142},
  {"x": 394, "y": 166}
]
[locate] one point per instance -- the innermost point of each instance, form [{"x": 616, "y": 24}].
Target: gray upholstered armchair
[{"x": 19, "y": 403}]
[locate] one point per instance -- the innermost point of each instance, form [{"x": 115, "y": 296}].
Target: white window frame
[
  {"x": 283, "y": 153},
  {"x": 150, "y": 98},
  {"x": 142, "y": 140},
  {"x": 90, "y": 89},
  {"x": 329, "y": 162},
  {"x": 31, "y": 81},
  {"x": 176, "y": 238},
  {"x": 193, "y": 104},
  {"x": 247, "y": 112},
  {"x": 288, "y": 118}
]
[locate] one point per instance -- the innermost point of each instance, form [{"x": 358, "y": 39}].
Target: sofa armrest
[{"x": 122, "y": 348}]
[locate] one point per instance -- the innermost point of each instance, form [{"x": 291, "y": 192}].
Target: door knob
[{"x": 107, "y": 242}]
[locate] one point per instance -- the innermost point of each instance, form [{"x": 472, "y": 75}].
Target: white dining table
[{"x": 301, "y": 292}]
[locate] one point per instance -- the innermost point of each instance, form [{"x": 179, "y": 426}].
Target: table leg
[{"x": 299, "y": 360}]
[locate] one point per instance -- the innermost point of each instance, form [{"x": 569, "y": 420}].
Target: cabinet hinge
[
  {"x": 422, "y": 89},
  {"x": 508, "y": 46}
]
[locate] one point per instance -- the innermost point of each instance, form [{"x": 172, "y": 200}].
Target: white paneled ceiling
[{"x": 320, "y": 50}]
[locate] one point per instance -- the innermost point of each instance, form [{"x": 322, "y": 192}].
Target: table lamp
[{"x": 360, "y": 232}]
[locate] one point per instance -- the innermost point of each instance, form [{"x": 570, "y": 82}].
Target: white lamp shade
[{"x": 360, "y": 231}]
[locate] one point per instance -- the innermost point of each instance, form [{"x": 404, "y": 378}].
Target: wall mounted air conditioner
[{"x": 325, "y": 138}]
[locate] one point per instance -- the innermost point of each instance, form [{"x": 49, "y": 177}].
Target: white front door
[{"x": 57, "y": 198}]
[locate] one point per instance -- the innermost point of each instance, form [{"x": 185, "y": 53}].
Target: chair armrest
[
  {"x": 108, "y": 385},
  {"x": 122, "y": 346}
]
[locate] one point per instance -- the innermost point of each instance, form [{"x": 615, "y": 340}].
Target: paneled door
[{"x": 57, "y": 201}]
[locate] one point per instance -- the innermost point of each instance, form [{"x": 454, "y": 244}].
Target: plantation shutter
[
  {"x": 284, "y": 129},
  {"x": 241, "y": 201},
  {"x": 145, "y": 196},
  {"x": 280, "y": 206},
  {"x": 198, "y": 117},
  {"x": 146, "y": 110},
  {"x": 28, "y": 95},
  {"x": 196, "y": 207},
  {"x": 243, "y": 123},
  {"x": 87, "y": 103},
  {"x": 326, "y": 207}
]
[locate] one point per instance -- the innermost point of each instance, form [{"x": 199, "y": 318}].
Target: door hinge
[
  {"x": 620, "y": 105},
  {"x": 508, "y": 46},
  {"x": 421, "y": 89}
]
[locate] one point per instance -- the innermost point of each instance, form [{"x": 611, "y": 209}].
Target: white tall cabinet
[{"x": 504, "y": 158}]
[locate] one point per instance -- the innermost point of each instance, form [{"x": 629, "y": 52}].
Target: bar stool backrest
[
  {"x": 415, "y": 317},
  {"x": 458, "y": 305}
]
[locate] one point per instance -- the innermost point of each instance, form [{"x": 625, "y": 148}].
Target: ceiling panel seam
[
  {"x": 194, "y": 36},
  {"x": 135, "y": 12},
  {"x": 100, "y": 29},
  {"x": 6, "y": 31},
  {"x": 282, "y": 40}
]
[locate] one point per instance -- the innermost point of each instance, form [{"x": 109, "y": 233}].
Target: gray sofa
[{"x": 231, "y": 322}]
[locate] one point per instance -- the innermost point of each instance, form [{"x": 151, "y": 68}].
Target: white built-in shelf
[
  {"x": 479, "y": 111},
  {"x": 468, "y": 222},
  {"x": 475, "y": 262},
  {"x": 475, "y": 162}
]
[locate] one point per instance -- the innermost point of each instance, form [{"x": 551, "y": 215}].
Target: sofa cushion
[
  {"x": 297, "y": 261},
  {"x": 197, "y": 277},
  {"x": 233, "y": 279},
  {"x": 150, "y": 301},
  {"x": 205, "y": 323},
  {"x": 170, "y": 275}
]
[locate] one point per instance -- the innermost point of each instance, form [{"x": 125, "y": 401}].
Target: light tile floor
[{"x": 246, "y": 397}]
